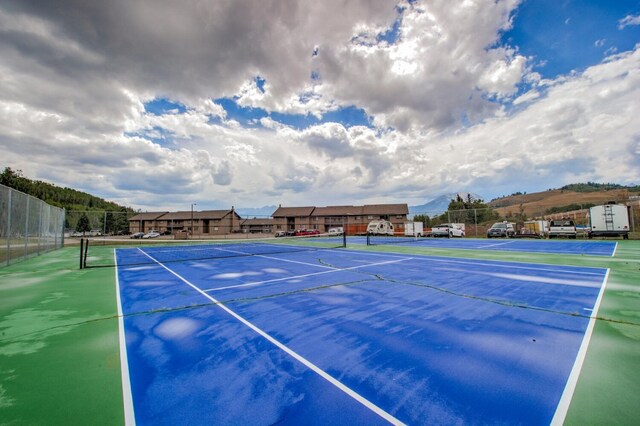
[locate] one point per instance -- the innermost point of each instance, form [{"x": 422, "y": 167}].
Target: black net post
[
  {"x": 84, "y": 255},
  {"x": 81, "y": 252}
]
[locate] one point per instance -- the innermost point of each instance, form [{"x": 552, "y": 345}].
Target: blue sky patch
[
  {"x": 249, "y": 117},
  {"x": 392, "y": 34},
  {"x": 157, "y": 135},
  {"x": 162, "y": 106},
  {"x": 571, "y": 35}
]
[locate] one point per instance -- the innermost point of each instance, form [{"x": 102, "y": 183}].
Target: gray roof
[
  {"x": 370, "y": 209},
  {"x": 146, "y": 216},
  {"x": 293, "y": 211},
  {"x": 186, "y": 215}
]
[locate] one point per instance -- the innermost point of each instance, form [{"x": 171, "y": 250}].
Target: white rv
[
  {"x": 609, "y": 220},
  {"x": 380, "y": 227}
]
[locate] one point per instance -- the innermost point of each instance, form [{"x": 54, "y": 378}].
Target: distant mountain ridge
[{"x": 440, "y": 204}]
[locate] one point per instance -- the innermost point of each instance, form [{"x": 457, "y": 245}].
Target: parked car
[
  {"x": 562, "y": 228},
  {"x": 137, "y": 235},
  {"x": 501, "y": 230},
  {"x": 281, "y": 234},
  {"x": 301, "y": 232},
  {"x": 336, "y": 231},
  {"x": 448, "y": 230},
  {"x": 151, "y": 234},
  {"x": 77, "y": 234}
]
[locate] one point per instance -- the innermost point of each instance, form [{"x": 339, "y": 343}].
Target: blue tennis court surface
[
  {"x": 580, "y": 247},
  {"x": 352, "y": 337}
]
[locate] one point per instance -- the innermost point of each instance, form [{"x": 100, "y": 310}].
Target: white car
[
  {"x": 447, "y": 230},
  {"x": 336, "y": 231},
  {"x": 152, "y": 234}
]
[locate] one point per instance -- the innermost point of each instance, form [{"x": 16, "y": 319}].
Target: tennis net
[
  {"x": 376, "y": 240},
  {"x": 100, "y": 252}
]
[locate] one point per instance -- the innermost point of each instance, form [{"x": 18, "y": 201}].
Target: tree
[
  {"x": 425, "y": 219},
  {"x": 83, "y": 223},
  {"x": 468, "y": 211}
]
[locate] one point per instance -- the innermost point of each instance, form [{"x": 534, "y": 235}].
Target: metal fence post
[
  {"x": 475, "y": 220},
  {"x": 26, "y": 229},
  {"x": 9, "y": 227}
]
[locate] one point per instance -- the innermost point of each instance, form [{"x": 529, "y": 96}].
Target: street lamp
[{"x": 192, "y": 204}]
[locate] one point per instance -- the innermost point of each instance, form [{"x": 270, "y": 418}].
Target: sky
[{"x": 158, "y": 105}]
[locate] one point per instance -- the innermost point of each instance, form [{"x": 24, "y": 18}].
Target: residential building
[
  {"x": 197, "y": 223},
  {"x": 353, "y": 219},
  {"x": 257, "y": 225}
]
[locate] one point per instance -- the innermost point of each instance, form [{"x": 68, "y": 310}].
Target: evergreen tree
[{"x": 83, "y": 223}]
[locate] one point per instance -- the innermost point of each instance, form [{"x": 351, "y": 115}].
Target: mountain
[
  {"x": 260, "y": 212},
  {"x": 440, "y": 204}
]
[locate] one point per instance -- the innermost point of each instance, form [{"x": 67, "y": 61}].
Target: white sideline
[
  {"x": 572, "y": 381},
  {"x": 347, "y": 390},
  {"x": 127, "y": 397}
]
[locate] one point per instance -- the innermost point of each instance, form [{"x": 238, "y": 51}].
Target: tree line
[
  {"x": 461, "y": 210},
  {"x": 113, "y": 218}
]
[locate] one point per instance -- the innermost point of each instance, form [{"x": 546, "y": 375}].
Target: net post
[
  {"x": 369, "y": 239},
  {"x": 344, "y": 238},
  {"x": 81, "y": 252},
  {"x": 84, "y": 257}
]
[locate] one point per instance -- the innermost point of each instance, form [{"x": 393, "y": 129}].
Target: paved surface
[{"x": 60, "y": 361}]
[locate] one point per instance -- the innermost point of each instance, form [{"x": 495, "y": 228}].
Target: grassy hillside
[{"x": 536, "y": 204}]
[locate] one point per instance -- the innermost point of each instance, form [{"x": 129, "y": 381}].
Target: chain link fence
[{"x": 28, "y": 226}]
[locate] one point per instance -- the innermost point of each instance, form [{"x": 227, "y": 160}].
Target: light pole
[{"x": 192, "y": 204}]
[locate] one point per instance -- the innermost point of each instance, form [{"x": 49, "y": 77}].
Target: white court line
[
  {"x": 494, "y": 263},
  {"x": 344, "y": 388},
  {"x": 572, "y": 381},
  {"x": 614, "y": 250},
  {"x": 274, "y": 258},
  {"x": 127, "y": 397},
  {"x": 307, "y": 275},
  {"x": 496, "y": 244}
]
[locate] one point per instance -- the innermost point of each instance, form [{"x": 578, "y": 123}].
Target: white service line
[
  {"x": 274, "y": 258},
  {"x": 344, "y": 388},
  {"x": 572, "y": 381},
  {"x": 333, "y": 270},
  {"x": 495, "y": 244},
  {"x": 493, "y": 263}
]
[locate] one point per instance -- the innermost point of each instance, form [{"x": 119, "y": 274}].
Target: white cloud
[
  {"x": 72, "y": 103},
  {"x": 629, "y": 20}
]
